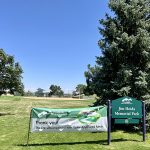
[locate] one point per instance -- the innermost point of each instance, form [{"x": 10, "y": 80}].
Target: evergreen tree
[{"x": 124, "y": 67}]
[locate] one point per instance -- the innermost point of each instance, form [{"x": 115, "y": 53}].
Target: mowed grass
[{"x": 14, "y": 120}]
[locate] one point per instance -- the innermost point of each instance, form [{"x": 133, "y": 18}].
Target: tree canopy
[
  {"x": 10, "y": 74},
  {"x": 39, "y": 92},
  {"x": 80, "y": 88},
  {"x": 55, "y": 90},
  {"x": 123, "y": 69},
  {"x": 29, "y": 93}
]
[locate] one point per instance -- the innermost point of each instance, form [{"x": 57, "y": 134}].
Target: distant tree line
[
  {"x": 11, "y": 81},
  {"x": 56, "y": 91}
]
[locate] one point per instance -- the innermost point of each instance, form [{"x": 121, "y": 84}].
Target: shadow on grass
[
  {"x": 102, "y": 142},
  {"x": 138, "y": 132},
  {"x": 5, "y": 114}
]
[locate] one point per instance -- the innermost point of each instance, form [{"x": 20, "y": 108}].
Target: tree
[
  {"x": 124, "y": 67},
  {"x": 10, "y": 74},
  {"x": 80, "y": 88},
  {"x": 39, "y": 92},
  {"x": 55, "y": 91},
  {"x": 29, "y": 93}
]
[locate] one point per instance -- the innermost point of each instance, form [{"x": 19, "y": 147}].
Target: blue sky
[{"x": 53, "y": 40}]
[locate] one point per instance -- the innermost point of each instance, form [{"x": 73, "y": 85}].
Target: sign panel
[
  {"x": 127, "y": 121},
  {"x": 65, "y": 120},
  {"x": 126, "y": 107}
]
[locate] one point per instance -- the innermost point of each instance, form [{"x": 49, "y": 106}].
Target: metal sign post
[
  {"x": 143, "y": 122},
  {"x": 109, "y": 122},
  {"x": 29, "y": 128}
]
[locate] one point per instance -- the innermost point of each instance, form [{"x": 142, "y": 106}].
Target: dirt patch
[{"x": 53, "y": 98}]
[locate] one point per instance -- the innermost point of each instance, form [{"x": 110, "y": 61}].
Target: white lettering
[
  {"x": 130, "y": 108},
  {"x": 120, "y": 108},
  {"x": 135, "y": 114}
]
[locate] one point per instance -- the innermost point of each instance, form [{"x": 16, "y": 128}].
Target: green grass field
[{"x": 14, "y": 119}]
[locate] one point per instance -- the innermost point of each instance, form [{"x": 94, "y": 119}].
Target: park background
[{"x": 54, "y": 41}]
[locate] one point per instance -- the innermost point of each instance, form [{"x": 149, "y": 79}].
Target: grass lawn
[{"x": 14, "y": 118}]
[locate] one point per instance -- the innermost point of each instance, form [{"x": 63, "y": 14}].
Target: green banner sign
[
  {"x": 126, "y": 107},
  {"x": 76, "y": 119}
]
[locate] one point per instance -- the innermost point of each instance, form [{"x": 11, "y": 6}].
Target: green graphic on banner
[
  {"x": 126, "y": 107},
  {"x": 76, "y": 119}
]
